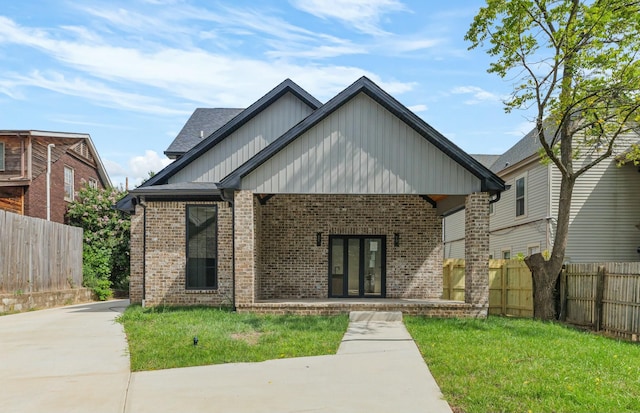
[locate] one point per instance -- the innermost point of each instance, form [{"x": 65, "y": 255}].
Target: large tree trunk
[{"x": 545, "y": 273}]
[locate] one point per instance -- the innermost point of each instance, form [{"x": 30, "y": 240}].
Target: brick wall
[
  {"x": 36, "y": 194},
  {"x": 292, "y": 266},
  {"x": 166, "y": 256},
  {"x": 245, "y": 254},
  {"x": 476, "y": 275}
]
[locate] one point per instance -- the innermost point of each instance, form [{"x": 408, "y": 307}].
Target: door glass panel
[
  {"x": 337, "y": 266},
  {"x": 372, "y": 266},
  {"x": 354, "y": 266}
]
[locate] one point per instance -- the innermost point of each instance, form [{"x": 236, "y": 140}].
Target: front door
[{"x": 356, "y": 266}]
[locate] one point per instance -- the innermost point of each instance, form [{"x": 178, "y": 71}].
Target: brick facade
[
  {"x": 476, "y": 275},
  {"x": 276, "y": 255},
  {"x": 291, "y": 265},
  {"x": 165, "y": 260}
]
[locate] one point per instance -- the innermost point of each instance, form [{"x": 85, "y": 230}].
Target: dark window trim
[
  {"x": 186, "y": 249},
  {"x": 2, "y": 156}
]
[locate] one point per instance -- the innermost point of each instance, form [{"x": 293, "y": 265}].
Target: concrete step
[{"x": 365, "y": 316}]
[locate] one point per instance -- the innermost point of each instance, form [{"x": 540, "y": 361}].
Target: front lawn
[
  {"x": 162, "y": 338},
  {"x": 518, "y": 365}
]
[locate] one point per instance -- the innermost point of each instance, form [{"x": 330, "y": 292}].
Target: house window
[
  {"x": 93, "y": 183},
  {"x": 68, "y": 183},
  {"x": 533, "y": 249},
  {"x": 1, "y": 156},
  {"x": 202, "y": 244},
  {"x": 506, "y": 254},
  {"x": 520, "y": 196}
]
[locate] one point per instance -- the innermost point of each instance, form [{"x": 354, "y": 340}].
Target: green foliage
[
  {"x": 106, "y": 238},
  {"x": 518, "y": 365},
  {"x": 162, "y": 338}
]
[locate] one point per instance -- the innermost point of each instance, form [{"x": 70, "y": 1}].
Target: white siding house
[{"x": 605, "y": 213}]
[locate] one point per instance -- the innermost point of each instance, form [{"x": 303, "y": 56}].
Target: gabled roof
[
  {"x": 486, "y": 160},
  {"x": 489, "y": 181},
  {"x": 288, "y": 86},
  {"x": 102, "y": 172},
  {"x": 202, "y": 123}
]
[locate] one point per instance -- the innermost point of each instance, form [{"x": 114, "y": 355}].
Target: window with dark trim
[
  {"x": 202, "y": 247},
  {"x": 520, "y": 196},
  {"x": 1, "y": 156}
]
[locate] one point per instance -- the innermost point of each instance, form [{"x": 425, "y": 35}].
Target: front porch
[{"x": 334, "y": 306}]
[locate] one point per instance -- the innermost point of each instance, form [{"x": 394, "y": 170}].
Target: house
[
  {"x": 605, "y": 211},
  {"x": 24, "y": 159},
  {"x": 294, "y": 205}
]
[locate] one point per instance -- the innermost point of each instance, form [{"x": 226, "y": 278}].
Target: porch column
[
  {"x": 244, "y": 238},
  {"x": 476, "y": 250}
]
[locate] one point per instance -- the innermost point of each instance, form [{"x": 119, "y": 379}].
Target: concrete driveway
[{"x": 69, "y": 359}]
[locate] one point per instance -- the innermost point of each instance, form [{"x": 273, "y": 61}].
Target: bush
[{"x": 106, "y": 239}]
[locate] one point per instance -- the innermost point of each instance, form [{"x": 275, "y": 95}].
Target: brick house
[
  {"x": 293, "y": 205},
  {"x": 24, "y": 159}
]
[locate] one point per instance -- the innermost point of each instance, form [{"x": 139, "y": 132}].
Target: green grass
[
  {"x": 162, "y": 338},
  {"x": 518, "y": 365}
]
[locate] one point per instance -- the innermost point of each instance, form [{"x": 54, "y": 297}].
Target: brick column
[
  {"x": 244, "y": 238},
  {"x": 135, "y": 257},
  {"x": 476, "y": 250}
]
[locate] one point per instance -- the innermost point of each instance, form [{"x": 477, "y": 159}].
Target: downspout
[{"x": 49, "y": 146}]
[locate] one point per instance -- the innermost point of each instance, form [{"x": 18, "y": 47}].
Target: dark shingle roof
[
  {"x": 485, "y": 160},
  {"x": 205, "y": 120},
  {"x": 526, "y": 147}
]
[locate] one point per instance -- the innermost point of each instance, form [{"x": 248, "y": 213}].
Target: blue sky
[{"x": 130, "y": 73}]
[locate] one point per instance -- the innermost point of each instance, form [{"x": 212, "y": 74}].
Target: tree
[
  {"x": 576, "y": 63},
  {"x": 106, "y": 238}
]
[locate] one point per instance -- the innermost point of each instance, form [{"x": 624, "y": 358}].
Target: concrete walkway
[{"x": 74, "y": 359}]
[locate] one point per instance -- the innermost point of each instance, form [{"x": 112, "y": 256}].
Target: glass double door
[{"x": 356, "y": 266}]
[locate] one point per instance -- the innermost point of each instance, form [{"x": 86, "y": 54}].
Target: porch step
[{"x": 363, "y": 316}]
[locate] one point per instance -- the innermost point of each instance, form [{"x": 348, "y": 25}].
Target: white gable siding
[
  {"x": 361, "y": 148},
  {"x": 604, "y": 212},
  {"x": 245, "y": 142}
]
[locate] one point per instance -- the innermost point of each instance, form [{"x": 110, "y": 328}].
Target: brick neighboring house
[
  {"x": 23, "y": 171},
  {"x": 293, "y": 205}
]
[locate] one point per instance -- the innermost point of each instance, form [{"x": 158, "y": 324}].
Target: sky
[{"x": 131, "y": 72}]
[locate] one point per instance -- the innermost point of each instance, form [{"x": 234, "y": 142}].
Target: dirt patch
[{"x": 250, "y": 338}]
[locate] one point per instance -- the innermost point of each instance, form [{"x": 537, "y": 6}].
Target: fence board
[
  {"x": 37, "y": 255},
  {"x": 510, "y": 286}
]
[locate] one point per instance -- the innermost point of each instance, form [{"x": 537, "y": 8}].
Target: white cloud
[
  {"x": 140, "y": 166},
  {"x": 418, "y": 108},
  {"x": 521, "y": 129},
  {"x": 478, "y": 95},
  {"x": 363, "y": 15}
]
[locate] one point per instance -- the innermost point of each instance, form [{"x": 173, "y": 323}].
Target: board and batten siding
[
  {"x": 361, "y": 148},
  {"x": 245, "y": 142},
  {"x": 605, "y": 210}
]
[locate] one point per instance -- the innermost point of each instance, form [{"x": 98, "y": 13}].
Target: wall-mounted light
[
  {"x": 396, "y": 240},
  {"x": 319, "y": 239}
]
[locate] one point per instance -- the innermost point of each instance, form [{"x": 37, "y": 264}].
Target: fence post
[
  {"x": 599, "y": 297},
  {"x": 504, "y": 273}
]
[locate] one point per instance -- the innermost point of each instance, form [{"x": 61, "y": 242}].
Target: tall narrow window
[
  {"x": 202, "y": 247},
  {"x": 1, "y": 156},
  {"x": 93, "y": 183},
  {"x": 520, "y": 196},
  {"x": 68, "y": 183}
]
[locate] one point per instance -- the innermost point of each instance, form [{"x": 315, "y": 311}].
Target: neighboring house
[
  {"x": 605, "y": 210},
  {"x": 24, "y": 156},
  {"x": 293, "y": 199}
]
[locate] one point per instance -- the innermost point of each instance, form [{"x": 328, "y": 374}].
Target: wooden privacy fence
[
  {"x": 602, "y": 297},
  {"x": 38, "y": 255},
  {"x": 510, "y": 286}
]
